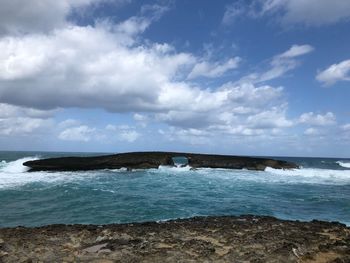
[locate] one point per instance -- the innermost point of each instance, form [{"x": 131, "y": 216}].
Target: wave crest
[
  {"x": 16, "y": 166},
  {"x": 343, "y": 164},
  {"x": 312, "y": 175}
]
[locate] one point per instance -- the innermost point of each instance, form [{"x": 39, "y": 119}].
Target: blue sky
[{"x": 235, "y": 77}]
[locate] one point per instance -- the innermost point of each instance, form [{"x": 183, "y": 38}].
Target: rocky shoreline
[
  {"x": 145, "y": 160},
  {"x": 200, "y": 239}
]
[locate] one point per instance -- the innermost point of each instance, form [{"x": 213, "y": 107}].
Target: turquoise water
[{"x": 320, "y": 190}]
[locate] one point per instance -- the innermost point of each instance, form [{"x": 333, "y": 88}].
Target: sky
[{"x": 253, "y": 77}]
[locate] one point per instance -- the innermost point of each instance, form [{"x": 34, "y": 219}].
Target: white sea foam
[
  {"x": 270, "y": 175},
  {"x": 311, "y": 175},
  {"x": 17, "y": 166},
  {"x": 174, "y": 169},
  {"x": 344, "y": 164},
  {"x": 14, "y": 174},
  {"x": 2, "y": 163},
  {"x": 120, "y": 170}
]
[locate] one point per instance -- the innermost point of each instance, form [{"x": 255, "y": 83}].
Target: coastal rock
[
  {"x": 146, "y": 160},
  {"x": 200, "y": 239}
]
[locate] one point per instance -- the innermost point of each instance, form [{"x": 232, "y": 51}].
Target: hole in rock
[{"x": 180, "y": 161}]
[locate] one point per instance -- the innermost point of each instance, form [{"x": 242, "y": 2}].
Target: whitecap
[
  {"x": 174, "y": 169},
  {"x": 311, "y": 175},
  {"x": 16, "y": 166},
  {"x": 15, "y": 174},
  {"x": 344, "y": 164},
  {"x": 280, "y": 176},
  {"x": 120, "y": 170},
  {"x": 3, "y": 163},
  {"x": 270, "y": 175}
]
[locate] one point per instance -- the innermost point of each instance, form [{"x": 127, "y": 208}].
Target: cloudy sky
[{"x": 258, "y": 77}]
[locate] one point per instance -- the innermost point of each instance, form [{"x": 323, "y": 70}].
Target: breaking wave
[
  {"x": 13, "y": 174},
  {"x": 119, "y": 195},
  {"x": 343, "y": 164},
  {"x": 312, "y": 175},
  {"x": 16, "y": 166}
]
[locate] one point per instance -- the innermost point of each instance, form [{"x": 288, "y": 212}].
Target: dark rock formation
[
  {"x": 144, "y": 160},
  {"x": 201, "y": 239}
]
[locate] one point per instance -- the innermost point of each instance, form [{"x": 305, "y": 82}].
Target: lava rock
[
  {"x": 200, "y": 239},
  {"x": 146, "y": 160}
]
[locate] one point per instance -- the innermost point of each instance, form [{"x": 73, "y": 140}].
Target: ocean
[{"x": 319, "y": 190}]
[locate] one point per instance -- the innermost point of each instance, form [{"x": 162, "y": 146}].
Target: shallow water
[{"x": 320, "y": 190}]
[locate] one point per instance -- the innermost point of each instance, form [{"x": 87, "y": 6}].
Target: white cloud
[
  {"x": 81, "y": 133},
  {"x": 140, "y": 117},
  {"x": 296, "y": 51},
  {"x": 23, "y": 121},
  {"x": 274, "y": 118},
  {"x": 123, "y": 132},
  {"x": 290, "y": 12},
  {"x": 228, "y": 105},
  {"x": 108, "y": 66},
  {"x": 128, "y": 30},
  {"x": 310, "y": 12},
  {"x": 280, "y": 64},
  {"x": 313, "y": 119},
  {"x": 8, "y": 111},
  {"x": 311, "y": 131},
  {"x": 189, "y": 136},
  {"x": 213, "y": 69},
  {"x": 346, "y": 127},
  {"x": 285, "y": 62},
  {"x": 87, "y": 67},
  {"x": 68, "y": 123},
  {"x": 132, "y": 26},
  {"x": 129, "y": 136},
  {"x": 240, "y": 110},
  {"x": 33, "y": 16},
  {"x": 232, "y": 12},
  {"x": 22, "y": 125},
  {"x": 335, "y": 73}
]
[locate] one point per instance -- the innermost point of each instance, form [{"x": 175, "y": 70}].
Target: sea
[{"x": 320, "y": 190}]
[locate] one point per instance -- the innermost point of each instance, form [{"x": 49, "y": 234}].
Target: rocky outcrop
[
  {"x": 201, "y": 239},
  {"x": 144, "y": 160}
]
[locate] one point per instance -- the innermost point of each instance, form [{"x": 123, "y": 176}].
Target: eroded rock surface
[
  {"x": 145, "y": 160},
  {"x": 204, "y": 239}
]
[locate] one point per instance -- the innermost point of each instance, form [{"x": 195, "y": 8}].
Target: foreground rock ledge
[
  {"x": 201, "y": 239},
  {"x": 145, "y": 160}
]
